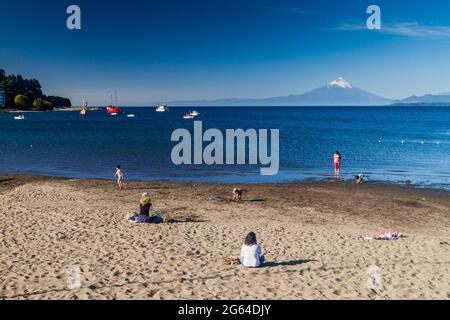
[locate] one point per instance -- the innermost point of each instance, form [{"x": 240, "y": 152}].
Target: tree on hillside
[
  {"x": 42, "y": 105},
  {"x": 18, "y": 86},
  {"x": 22, "y": 102},
  {"x": 58, "y": 102}
]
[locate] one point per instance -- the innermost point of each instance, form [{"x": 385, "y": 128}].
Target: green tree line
[{"x": 26, "y": 94}]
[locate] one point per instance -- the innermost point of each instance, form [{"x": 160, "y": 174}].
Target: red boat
[{"x": 111, "y": 109}]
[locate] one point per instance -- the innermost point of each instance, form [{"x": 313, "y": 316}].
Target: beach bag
[{"x": 156, "y": 218}]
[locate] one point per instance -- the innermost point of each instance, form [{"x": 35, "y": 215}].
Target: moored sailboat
[
  {"x": 84, "y": 107},
  {"x": 113, "y": 109}
]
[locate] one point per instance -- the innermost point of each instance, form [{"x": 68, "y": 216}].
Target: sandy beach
[{"x": 313, "y": 235}]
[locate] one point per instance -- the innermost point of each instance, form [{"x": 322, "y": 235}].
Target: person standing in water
[
  {"x": 337, "y": 164},
  {"x": 120, "y": 177}
]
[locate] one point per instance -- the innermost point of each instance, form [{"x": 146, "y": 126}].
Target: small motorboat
[
  {"x": 113, "y": 114},
  {"x": 188, "y": 116},
  {"x": 20, "y": 117},
  {"x": 162, "y": 108},
  {"x": 194, "y": 113},
  {"x": 130, "y": 115}
]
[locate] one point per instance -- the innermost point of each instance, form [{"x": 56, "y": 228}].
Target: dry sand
[{"x": 312, "y": 235}]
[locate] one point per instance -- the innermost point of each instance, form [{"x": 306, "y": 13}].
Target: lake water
[{"x": 370, "y": 140}]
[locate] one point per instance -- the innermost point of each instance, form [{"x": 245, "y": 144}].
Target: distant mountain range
[
  {"x": 336, "y": 93},
  {"x": 426, "y": 99}
]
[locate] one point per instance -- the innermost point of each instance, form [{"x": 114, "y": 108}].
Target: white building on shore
[{"x": 2, "y": 97}]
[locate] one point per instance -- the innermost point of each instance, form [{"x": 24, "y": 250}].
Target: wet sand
[{"x": 312, "y": 234}]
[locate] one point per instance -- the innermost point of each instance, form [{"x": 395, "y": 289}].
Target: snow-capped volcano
[
  {"x": 341, "y": 83},
  {"x": 336, "y": 93}
]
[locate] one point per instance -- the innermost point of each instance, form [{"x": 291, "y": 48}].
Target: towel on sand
[
  {"x": 155, "y": 218},
  {"x": 387, "y": 236}
]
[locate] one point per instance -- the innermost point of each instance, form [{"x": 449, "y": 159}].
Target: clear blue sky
[{"x": 205, "y": 49}]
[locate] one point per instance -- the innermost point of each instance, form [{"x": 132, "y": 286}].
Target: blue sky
[{"x": 166, "y": 50}]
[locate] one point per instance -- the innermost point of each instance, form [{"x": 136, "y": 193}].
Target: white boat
[
  {"x": 188, "y": 116},
  {"x": 84, "y": 106},
  {"x": 130, "y": 115},
  {"x": 194, "y": 113},
  {"x": 113, "y": 114},
  {"x": 162, "y": 108},
  {"x": 20, "y": 117}
]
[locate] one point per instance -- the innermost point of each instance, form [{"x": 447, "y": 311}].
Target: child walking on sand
[
  {"x": 251, "y": 252},
  {"x": 120, "y": 177}
]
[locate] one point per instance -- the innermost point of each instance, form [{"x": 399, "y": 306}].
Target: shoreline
[
  {"x": 322, "y": 182},
  {"x": 345, "y": 196},
  {"x": 71, "y": 109}
]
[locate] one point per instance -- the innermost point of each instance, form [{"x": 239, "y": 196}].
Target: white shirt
[{"x": 250, "y": 256}]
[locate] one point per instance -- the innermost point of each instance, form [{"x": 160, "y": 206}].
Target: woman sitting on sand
[
  {"x": 251, "y": 252},
  {"x": 144, "y": 210}
]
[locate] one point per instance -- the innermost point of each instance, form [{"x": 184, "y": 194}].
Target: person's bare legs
[{"x": 337, "y": 170}]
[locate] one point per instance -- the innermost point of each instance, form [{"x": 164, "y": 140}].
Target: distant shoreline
[
  {"x": 70, "y": 109},
  {"x": 376, "y": 185},
  {"x": 78, "y": 109}
]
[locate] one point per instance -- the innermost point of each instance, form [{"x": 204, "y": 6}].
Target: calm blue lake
[{"x": 370, "y": 140}]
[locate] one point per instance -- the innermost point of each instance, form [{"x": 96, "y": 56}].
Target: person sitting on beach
[
  {"x": 359, "y": 179},
  {"x": 120, "y": 176},
  {"x": 337, "y": 163},
  {"x": 251, "y": 252},
  {"x": 145, "y": 205},
  {"x": 237, "y": 194}
]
